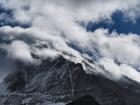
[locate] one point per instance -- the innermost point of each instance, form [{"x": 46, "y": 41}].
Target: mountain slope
[{"x": 61, "y": 80}]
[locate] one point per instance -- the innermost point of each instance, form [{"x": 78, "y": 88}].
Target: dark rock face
[
  {"x": 15, "y": 81},
  {"x": 85, "y": 100},
  {"x": 60, "y": 80}
]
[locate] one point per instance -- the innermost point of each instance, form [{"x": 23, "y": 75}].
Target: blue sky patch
[
  {"x": 120, "y": 24},
  {"x": 6, "y": 18}
]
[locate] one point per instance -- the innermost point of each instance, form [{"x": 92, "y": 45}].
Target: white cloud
[
  {"x": 119, "y": 70},
  {"x": 77, "y": 9},
  {"x": 122, "y": 48},
  {"x": 20, "y": 51},
  {"x": 113, "y": 68},
  {"x": 47, "y": 53},
  {"x": 54, "y": 24}
]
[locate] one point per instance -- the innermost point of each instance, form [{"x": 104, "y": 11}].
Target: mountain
[
  {"x": 61, "y": 80},
  {"x": 85, "y": 100}
]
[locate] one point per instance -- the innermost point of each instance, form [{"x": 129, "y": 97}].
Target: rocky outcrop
[
  {"x": 85, "y": 100},
  {"x": 60, "y": 80}
]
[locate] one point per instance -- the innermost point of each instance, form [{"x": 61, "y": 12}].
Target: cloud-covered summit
[{"x": 55, "y": 30}]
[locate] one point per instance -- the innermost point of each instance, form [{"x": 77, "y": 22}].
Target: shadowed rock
[
  {"x": 85, "y": 100},
  {"x": 60, "y": 80}
]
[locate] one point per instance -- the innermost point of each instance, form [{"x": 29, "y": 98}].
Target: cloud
[
  {"x": 47, "y": 53},
  {"x": 122, "y": 48},
  {"x": 112, "y": 67},
  {"x": 78, "y": 9},
  {"x": 118, "y": 70},
  {"x": 33, "y": 41},
  {"x": 20, "y": 51},
  {"x": 108, "y": 46},
  {"x": 130, "y": 72},
  {"x": 54, "y": 27}
]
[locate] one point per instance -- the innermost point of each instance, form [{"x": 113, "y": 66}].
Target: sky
[
  {"x": 105, "y": 31},
  {"x": 119, "y": 23}
]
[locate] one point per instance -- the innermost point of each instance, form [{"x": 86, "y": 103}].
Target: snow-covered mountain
[
  {"x": 54, "y": 51},
  {"x": 61, "y": 80}
]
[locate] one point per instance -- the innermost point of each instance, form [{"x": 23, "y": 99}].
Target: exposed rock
[
  {"x": 85, "y": 100},
  {"x": 26, "y": 101},
  {"x": 61, "y": 80}
]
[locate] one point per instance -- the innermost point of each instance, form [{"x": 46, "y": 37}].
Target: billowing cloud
[
  {"x": 55, "y": 30},
  {"x": 19, "y": 50},
  {"x": 122, "y": 48},
  {"x": 118, "y": 70}
]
